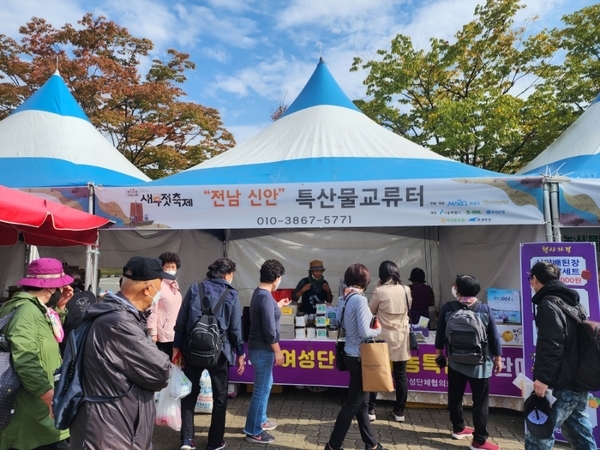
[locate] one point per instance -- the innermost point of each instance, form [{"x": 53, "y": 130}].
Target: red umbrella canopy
[{"x": 43, "y": 222}]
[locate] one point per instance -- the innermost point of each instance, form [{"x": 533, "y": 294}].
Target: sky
[{"x": 252, "y": 55}]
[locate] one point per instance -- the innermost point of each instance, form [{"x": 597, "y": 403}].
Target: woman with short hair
[{"x": 356, "y": 323}]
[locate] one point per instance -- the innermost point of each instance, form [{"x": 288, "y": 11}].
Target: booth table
[{"x": 311, "y": 362}]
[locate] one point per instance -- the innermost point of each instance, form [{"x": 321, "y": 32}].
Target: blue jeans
[
  {"x": 262, "y": 363},
  {"x": 568, "y": 414}
]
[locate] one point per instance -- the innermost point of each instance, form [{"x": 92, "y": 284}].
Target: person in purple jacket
[
  {"x": 264, "y": 350},
  {"x": 218, "y": 281}
]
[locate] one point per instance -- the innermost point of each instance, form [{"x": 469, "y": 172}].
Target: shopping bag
[
  {"x": 168, "y": 410},
  {"x": 375, "y": 364},
  {"x": 204, "y": 402},
  {"x": 179, "y": 385}
]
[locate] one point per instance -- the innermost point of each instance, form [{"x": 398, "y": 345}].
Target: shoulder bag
[{"x": 412, "y": 336}]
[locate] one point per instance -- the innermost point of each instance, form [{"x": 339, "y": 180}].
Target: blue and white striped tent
[
  {"x": 323, "y": 136},
  {"x": 48, "y": 141},
  {"x": 576, "y": 152}
]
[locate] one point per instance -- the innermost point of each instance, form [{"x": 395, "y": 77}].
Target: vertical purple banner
[
  {"x": 579, "y": 271},
  {"x": 312, "y": 363}
]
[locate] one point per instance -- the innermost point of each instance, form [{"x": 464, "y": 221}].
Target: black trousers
[
  {"x": 60, "y": 445},
  {"x": 166, "y": 347},
  {"x": 399, "y": 370},
  {"x": 356, "y": 405},
  {"x": 219, "y": 378},
  {"x": 480, "y": 389}
]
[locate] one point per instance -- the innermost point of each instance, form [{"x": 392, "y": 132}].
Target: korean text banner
[
  {"x": 312, "y": 363},
  {"x": 578, "y": 267},
  {"x": 474, "y": 201}
]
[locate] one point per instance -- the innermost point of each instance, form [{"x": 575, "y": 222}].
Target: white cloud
[{"x": 15, "y": 13}]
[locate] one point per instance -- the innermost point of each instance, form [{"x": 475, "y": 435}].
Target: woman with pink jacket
[{"x": 163, "y": 315}]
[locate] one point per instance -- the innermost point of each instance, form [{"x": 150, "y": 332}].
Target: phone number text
[{"x": 303, "y": 220}]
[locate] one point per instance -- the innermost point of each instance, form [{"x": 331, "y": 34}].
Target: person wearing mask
[
  {"x": 33, "y": 334},
  {"x": 422, "y": 295},
  {"x": 229, "y": 315},
  {"x": 163, "y": 314},
  {"x": 76, "y": 307},
  {"x": 264, "y": 350},
  {"x": 120, "y": 360},
  {"x": 556, "y": 360},
  {"x": 313, "y": 289},
  {"x": 391, "y": 302},
  {"x": 464, "y": 289},
  {"x": 356, "y": 322}
]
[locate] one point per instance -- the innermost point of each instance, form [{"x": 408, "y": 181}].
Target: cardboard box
[
  {"x": 290, "y": 309},
  {"x": 287, "y": 319}
]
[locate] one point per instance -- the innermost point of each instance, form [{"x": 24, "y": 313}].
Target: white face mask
[
  {"x": 454, "y": 292},
  {"x": 156, "y": 297},
  {"x": 171, "y": 272}
]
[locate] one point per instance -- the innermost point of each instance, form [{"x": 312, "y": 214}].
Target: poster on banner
[
  {"x": 505, "y": 305},
  {"x": 578, "y": 265},
  {"x": 477, "y": 201}
]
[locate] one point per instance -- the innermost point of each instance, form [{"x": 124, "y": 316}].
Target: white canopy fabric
[{"x": 49, "y": 141}]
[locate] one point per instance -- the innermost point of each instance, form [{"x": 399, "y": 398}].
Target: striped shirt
[{"x": 357, "y": 321}]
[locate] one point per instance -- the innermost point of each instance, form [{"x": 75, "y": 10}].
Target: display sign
[
  {"x": 312, "y": 363},
  {"x": 505, "y": 305},
  {"x": 578, "y": 265},
  {"x": 476, "y": 201}
]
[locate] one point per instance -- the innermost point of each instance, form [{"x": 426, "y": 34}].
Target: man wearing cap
[
  {"x": 556, "y": 361},
  {"x": 313, "y": 289},
  {"x": 120, "y": 359},
  {"x": 33, "y": 333}
]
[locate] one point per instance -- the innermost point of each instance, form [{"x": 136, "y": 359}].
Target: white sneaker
[
  {"x": 372, "y": 415},
  {"x": 399, "y": 418}
]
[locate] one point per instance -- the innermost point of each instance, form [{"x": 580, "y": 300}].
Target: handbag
[
  {"x": 375, "y": 365},
  {"x": 412, "y": 336}
]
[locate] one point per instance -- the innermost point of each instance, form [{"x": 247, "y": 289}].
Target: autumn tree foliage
[
  {"x": 145, "y": 115},
  {"x": 496, "y": 95}
]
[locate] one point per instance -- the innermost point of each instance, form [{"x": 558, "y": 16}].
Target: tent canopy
[
  {"x": 323, "y": 136},
  {"x": 576, "y": 152},
  {"x": 43, "y": 222},
  {"x": 49, "y": 141}
]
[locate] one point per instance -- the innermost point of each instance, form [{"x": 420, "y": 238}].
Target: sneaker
[
  {"x": 221, "y": 447},
  {"x": 269, "y": 426},
  {"x": 466, "y": 432},
  {"x": 399, "y": 417},
  {"x": 372, "y": 415},
  {"x": 262, "y": 438},
  {"x": 487, "y": 445},
  {"x": 187, "y": 444},
  {"x": 379, "y": 447}
]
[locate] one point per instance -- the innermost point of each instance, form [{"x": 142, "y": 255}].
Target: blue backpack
[{"x": 68, "y": 383}]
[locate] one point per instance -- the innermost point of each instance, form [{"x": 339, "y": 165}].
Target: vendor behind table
[{"x": 313, "y": 289}]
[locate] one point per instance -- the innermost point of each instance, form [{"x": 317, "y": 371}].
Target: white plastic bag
[
  {"x": 179, "y": 385},
  {"x": 204, "y": 402},
  {"x": 168, "y": 410}
]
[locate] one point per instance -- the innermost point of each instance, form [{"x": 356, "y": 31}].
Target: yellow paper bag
[{"x": 376, "y": 372}]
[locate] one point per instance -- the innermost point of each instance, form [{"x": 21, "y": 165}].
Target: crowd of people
[{"x": 137, "y": 334}]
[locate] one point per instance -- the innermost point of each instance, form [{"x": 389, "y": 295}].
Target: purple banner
[
  {"x": 578, "y": 266},
  {"x": 312, "y": 363}
]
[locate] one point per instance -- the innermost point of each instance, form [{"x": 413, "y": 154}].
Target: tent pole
[
  {"x": 547, "y": 213},
  {"x": 89, "y": 263},
  {"x": 554, "y": 207}
]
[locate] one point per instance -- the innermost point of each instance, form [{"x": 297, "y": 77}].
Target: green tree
[
  {"x": 144, "y": 115},
  {"x": 479, "y": 99}
]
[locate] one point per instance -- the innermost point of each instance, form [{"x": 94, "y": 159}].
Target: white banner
[{"x": 476, "y": 201}]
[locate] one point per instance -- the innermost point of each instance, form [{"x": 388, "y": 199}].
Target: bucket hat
[
  {"x": 45, "y": 273},
  {"x": 537, "y": 416},
  {"x": 141, "y": 268},
  {"x": 315, "y": 265}
]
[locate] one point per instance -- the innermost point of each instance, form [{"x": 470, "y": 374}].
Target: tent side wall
[
  {"x": 408, "y": 247},
  {"x": 12, "y": 268},
  {"x": 490, "y": 254}
]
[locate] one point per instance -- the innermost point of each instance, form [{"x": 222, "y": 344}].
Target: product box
[
  {"x": 321, "y": 321},
  {"x": 321, "y": 333},
  {"x": 287, "y": 319},
  {"x": 300, "y": 321},
  {"x": 300, "y": 333},
  {"x": 321, "y": 308},
  {"x": 289, "y": 309},
  {"x": 287, "y": 331}
]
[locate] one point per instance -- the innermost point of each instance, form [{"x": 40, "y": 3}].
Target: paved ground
[{"x": 305, "y": 421}]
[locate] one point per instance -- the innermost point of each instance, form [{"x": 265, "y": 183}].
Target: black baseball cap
[
  {"x": 140, "y": 268},
  {"x": 537, "y": 416}
]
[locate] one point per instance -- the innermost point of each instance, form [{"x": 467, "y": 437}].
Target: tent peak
[{"x": 321, "y": 89}]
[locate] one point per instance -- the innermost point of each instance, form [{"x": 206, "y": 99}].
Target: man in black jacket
[{"x": 556, "y": 361}]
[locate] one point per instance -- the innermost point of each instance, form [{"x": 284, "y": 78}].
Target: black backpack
[
  {"x": 466, "y": 334},
  {"x": 205, "y": 341},
  {"x": 587, "y": 372},
  {"x": 68, "y": 385}
]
